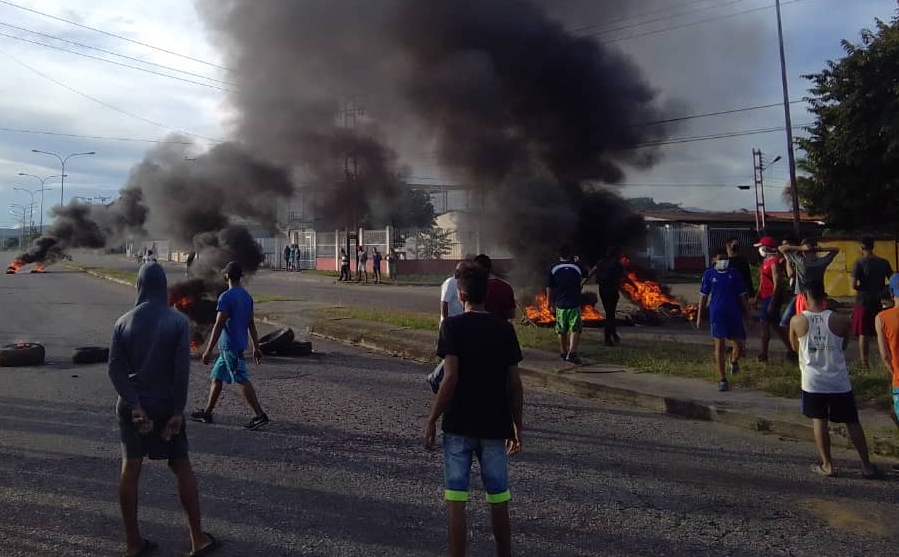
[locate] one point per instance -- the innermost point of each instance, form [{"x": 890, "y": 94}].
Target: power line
[
  {"x": 107, "y": 33},
  {"x": 679, "y": 140},
  {"x": 719, "y": 113},
  {"x": 103, "y": 103},
  {"x": 660, "y": 19},
  {"x": 636, "y": 16},
  {"x": 95, "y": 137},
  {"x": 82, "y": 45},
  {"x": 23, "y": 39},
  {"x": 701, "y": 21}
]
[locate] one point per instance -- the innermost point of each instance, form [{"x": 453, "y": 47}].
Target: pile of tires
[
  {"x": 276, "y": 342},
  {"x": 22, "y": 354},
  {"x": 90, "y": 355}
]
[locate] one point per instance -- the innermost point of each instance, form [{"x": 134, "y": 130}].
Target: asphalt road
[{"x": 340, "y": 471}]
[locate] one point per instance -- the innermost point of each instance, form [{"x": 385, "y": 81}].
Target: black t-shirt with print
[{"x": 486, "y": 347}]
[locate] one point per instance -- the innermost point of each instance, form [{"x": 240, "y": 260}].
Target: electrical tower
[
  {"x": 349, "y": 114},
  {"x": 758, "y": 165}
]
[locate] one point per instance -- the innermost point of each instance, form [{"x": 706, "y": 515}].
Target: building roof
[{"x": 702, "y": 217}]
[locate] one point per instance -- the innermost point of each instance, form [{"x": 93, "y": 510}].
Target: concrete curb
[
  {"x": 569, "y": 383},
  {"x": 103, "y": 276}
]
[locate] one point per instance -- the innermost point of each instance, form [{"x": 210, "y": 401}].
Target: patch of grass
[
  {"x": 412, "y": 320},
  {"x": 264, "y": 298},
  {"x": 120, "y": 274}
]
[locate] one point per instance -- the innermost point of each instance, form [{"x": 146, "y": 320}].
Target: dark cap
[{"x": 233, "y": 270}]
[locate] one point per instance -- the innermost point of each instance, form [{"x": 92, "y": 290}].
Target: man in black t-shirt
[
  {"x": 870, "y": 274},
  {"x": 736, "y": 260},
  {"x": 481, "y": 400}
]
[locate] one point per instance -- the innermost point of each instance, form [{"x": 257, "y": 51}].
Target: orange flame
[
  {"x": 648, "y": 294},
  {"x": 539, "y": 313},
  {"x": 196, "y": 340},
  {"x": 38, "y": 269},
  {"x": 182, "y": 303},
  {"x": 14, "y": 267}
]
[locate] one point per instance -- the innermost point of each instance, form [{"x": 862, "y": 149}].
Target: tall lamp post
[
  {"x": 791, "y": 156},
  {"x": 42, "y": 190},
  {"x": 31, "y": 218},
  {"x": 19, "y": 207},
  {"x": 62, "y": 162}
]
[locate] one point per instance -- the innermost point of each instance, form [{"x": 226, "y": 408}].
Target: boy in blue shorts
[
  {"x": 234, "y": 318},
  {"x": 480, "y": 399},
  {"x": 729, "y": 302}
]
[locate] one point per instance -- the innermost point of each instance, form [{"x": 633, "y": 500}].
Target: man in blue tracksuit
[{"x": 729, "y": 303}]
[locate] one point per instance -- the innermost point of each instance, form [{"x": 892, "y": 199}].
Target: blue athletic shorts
[
  {"x": 789, "y": 312},
  {"x": 728, "y": 325},
  {"x": 230, "y": 367},
  {"x": 458, "y": 453},
  {"x": 763, "y": 312}
]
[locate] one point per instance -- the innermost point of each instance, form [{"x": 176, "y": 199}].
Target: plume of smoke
[{"x": 512, "y": 101}]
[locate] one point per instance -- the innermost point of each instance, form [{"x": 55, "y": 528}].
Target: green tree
[
  {"x": 852, "y": 150},
  {"x": 433, "y": 243},
  {"x": 650, "y": 204}
]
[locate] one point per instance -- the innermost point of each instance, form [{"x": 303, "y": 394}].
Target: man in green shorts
[{"x": 563, "y": 294}]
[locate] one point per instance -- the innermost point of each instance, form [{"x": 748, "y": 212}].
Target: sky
[{"x": 729, "y": 62}]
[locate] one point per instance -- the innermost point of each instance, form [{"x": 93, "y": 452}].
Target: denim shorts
[
  {"x": 789, "y": 312},
  {"x": 458, "y": 453},
  {"x": 230, "y": 367},
  {"x": 896, "y": 401}
]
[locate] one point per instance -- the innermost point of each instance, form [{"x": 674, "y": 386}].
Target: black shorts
[
  {"x": 152, "y": 445},
  {"x": 837, "y": 407}
]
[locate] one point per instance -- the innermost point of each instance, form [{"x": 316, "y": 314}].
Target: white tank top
[{"x": 821, "y": 358}]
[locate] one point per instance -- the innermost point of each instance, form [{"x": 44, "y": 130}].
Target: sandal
[
  {"x": 148, "y": 547},
  {"x": 819, "y": 470},
  {"x": 207, "y": 550}
]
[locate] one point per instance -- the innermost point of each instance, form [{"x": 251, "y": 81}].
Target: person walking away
[
  {"x": 234, "y": 318},
  {"x": 563, "y": 295},
  {"x": 344, "y": 266},
  {"x": 887, "y": 326},
  {"x": 481, "y": 401},
  {"x": 191, "y": 257},
  {"x": 820, "y": 336},
  {"x": 376, "y": 265},
  {"x": 500, "y": 294},
  {"x": 771, "y": 294},
  {"x": 149, "y": 366},
  {"x": 870, "y": 273},
  {"x": 610, "y": 273},
  {"x": 450, "y": 306},
  {"x": 808, "y": 266},
  {"x": 391, "y": 264},
  {"x": 737, "y": 261},
  {"x": 361, "y": 264},
  {"x": 286, "y": 258},
  {"x": 729, "y": 301}
]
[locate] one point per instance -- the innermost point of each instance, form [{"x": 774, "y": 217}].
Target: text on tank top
[{"x": 821, "y": 358}]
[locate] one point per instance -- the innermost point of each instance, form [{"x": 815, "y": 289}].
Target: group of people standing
[
  {"x": 362, "y": 257},
  {"x": 292, "y": 257}
]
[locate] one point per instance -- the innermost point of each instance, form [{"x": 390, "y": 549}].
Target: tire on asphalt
[
  {"x": 277, "y": 341},
  {"x": 298, "y": 348},
  {"x": 90, "y": 355},
  {"x": 22, "y": 354}
]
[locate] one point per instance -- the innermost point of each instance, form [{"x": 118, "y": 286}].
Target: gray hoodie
[{"x": 149, "y": 358}]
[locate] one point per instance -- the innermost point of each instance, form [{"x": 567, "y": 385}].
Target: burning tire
[
  {"x": 90, "y": 355},
  {"x": 22, "y": 354},
  {"x": 278, "y": 341}
]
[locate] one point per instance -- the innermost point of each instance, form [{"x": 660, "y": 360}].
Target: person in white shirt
[
  {"x": 820, "y": 337},
  {"x": 449, "y": 297}
]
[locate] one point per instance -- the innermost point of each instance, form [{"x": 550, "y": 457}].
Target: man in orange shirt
[{"x": 887, "y": 326}]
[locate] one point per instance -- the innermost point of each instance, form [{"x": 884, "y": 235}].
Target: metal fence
[
  {"x": 325, "y": 244},
  {"x": 719, "y": 236}
]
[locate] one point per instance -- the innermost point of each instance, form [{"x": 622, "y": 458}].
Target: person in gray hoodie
[{"x": 149, "y": 366}]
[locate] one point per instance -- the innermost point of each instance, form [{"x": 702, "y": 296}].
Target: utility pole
[
  {"x": 791, "y": 155},
  {"x": 349, "y": 114},
  {"x": 759, "y": 169}
]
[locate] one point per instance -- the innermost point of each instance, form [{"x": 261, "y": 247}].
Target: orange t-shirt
[{"x": 889, "y": 319}]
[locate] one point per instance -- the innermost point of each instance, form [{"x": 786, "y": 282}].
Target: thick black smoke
[
  {"x": 505, "y": 98},
  {"x": 201, "y": 205}
]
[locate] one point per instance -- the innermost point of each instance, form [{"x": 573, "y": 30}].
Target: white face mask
[
  {"x": 763, "y": 251},
  {"x": 721, "y": 264}
]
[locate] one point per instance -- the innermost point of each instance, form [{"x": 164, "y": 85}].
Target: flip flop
[
  {"x": 819, "y": 470},
  {"x": 208, "y": 550},
  {"x": 148, "y": 547}
]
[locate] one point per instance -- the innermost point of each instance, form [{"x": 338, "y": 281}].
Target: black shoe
[
  {"x": 563, "y": 356},
  {"x": 616, "y": 338},
  {"x": 201, "y": 416},
  {"x": 572, "y": 358},
  {"x": 257, "y": 422}
]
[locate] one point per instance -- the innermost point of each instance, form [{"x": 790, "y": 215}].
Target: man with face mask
[{"x": 729, "y": 301}]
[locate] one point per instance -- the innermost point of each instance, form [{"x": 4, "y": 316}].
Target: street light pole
[
  {"x": 31, "y": 193},
  {"x": 791, "y": 156},
  {"x": 62, "y": 162},
  {"x": 42, "y": 190}
]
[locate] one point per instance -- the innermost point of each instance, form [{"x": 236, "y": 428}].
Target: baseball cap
[
  {"x": 894, "y": 285},
  {"x": 234, "y": 270},
  {"x": 767, "y": 242}
]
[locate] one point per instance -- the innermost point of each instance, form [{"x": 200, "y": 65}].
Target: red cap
[{"x": 767, "y": 242}]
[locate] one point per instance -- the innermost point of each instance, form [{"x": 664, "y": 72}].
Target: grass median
[
  {"x": 659, "y": 357},
  {"x": 118, "y": 274}
]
